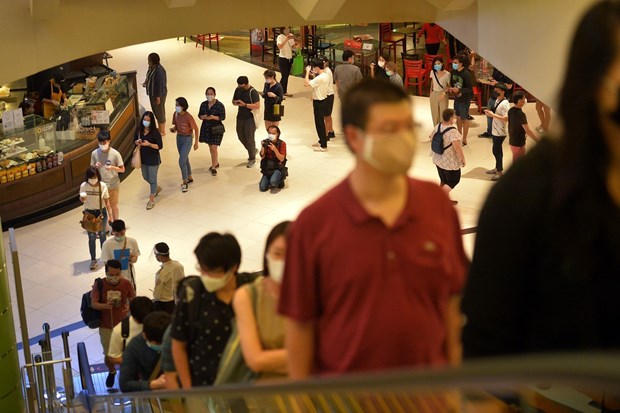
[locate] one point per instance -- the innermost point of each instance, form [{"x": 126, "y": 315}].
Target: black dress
[
  {"x": 269, "y": 101},
  {"x": 206, "y": 129}
]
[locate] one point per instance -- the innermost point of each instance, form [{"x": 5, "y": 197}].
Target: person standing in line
[
  {"x": 167, "y": 279},
  {"x": 518, "y": 127},
  {"x": 440, "y": 82},
  {"x": 404, "y": 255},
  {"x": 544, "y": 114},
  {"x": 393, "y": 76},
  {"x": 496, "y": 77},
  {"x": 347, "y": 74},
  {"x": 96, "y": 199},
  {"x": 109, "y": 162},
  {"x": 434, "y": 36},
  {"x": 150, "y": 142},
  {"x": 286, "y": 43},
  {"x": 450, "y": 162},
  {"x": 273, "y": 94},
  {"x": 329, "y": 106},
  {"x": 113, "y": 302},
  {"x": 246, "y": 98},
  {"x": 156, "y": 89},
  {"x": 212, "y": 112},
  {"x": 378, "y": 71},
  {"x": 187, "y": 131},
  {"x": 320, "y": 86},
  {"x": 499, "y": 113},
  {"x": 461, "y": 86},
  {"x": 123, "y": 249}
]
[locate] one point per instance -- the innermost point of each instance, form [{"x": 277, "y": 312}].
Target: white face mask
[
  {"x": 93, "y": 181},
  {"x": 112, "y": 279},
  {"x": 393, "y": 156},
  {"x": 381, "y": 63},
  {"x": 276, "y": 269},
  {"x": 272, "y": 136},
  {"x": 104, "y": 146},
  {"x": 210, "y": 98},
  {"x": 213, "y": 284}
]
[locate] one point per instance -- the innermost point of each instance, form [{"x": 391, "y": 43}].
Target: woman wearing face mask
[
  {"x": 150, "y": 142},
  {"x": 378, "y": 71},
  {"x": 96, "y": 199},
  {"x": 261, "y": 328},
  {"x": 187, "y": 131},
  {"x": 440, "y": 82},
  {"x": 393, "y": 76},
  {"x": 272, "y": 160},
  {"x": 212, "y": 112},
  {"x": 273, "y": 93}
]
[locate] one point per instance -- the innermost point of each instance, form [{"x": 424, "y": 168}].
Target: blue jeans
[
  {"x": 490, "y": 106},
  {"x": 267, "y": 181},
  {"x": 184, "y": 146},
  {"x": 149, "y": 173},
  {"x": 92, "y": 236}
]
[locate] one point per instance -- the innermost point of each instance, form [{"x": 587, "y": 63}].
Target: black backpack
[
  {"x": 90, "y": 316},
  {"x": 437, "y": 141}
]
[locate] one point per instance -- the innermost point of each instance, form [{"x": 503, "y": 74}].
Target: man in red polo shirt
[{"x": 375, "y": 267}]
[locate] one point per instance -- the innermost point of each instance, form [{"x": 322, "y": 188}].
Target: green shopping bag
[{"x": 298, "y": 65}]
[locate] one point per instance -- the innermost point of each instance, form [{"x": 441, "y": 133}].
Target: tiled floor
[{"x": 54, "y": 254}]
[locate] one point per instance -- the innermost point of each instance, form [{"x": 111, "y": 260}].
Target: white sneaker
[
  {"x": 184, "y": 187},
  {"x": 319, "y": 149}
]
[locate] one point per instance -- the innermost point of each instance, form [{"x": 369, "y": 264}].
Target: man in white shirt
[
  {"x": 109, "y": 162},
  {"x": 166, "y": 279},
  {"x": 123, "y": 249},
  {"x": 329, "y": 124},
  {"x": 286, "y": 43},
  {"x": 499, "y": 113},
  {"x": 320, "y": 88}
]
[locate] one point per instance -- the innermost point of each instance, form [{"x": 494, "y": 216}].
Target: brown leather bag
[{"x": 89, "y": 221}]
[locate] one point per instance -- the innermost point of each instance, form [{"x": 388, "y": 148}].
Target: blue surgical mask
[
  {"x": 146, "y": 123},
  {"x": 437, "y": 67},
  {"x": 455, "y": 66},
  {"x": 156, "y": 347},
  {"x": 178, "y": 109}
]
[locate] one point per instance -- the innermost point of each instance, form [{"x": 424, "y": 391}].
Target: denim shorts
[{"x": 462, "y": 109}]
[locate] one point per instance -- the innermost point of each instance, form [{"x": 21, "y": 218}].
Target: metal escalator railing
[{"x": 549, "y": 383}]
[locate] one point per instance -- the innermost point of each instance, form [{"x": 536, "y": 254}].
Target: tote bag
[{"x": 298, "y": 65}]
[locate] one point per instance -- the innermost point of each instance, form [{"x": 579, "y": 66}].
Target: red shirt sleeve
[
  {"x": 192, "y": 122},
  {"x": 282, "y": 149}
]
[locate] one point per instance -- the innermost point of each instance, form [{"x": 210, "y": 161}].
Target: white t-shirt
[
  {"x": 320, "y": 86},
  {"x": 449, "y": 159},
  {"x": 287, "y": 51},
  {"x": 499, "y": 126},
  {"x": 444, "y": 80},
  {"x": 116, "y": 339},
  {"x": 166, "y": 281},
  {"x": 92, "y": 195},
  {"x": 330, "y": 88},
  {"x": 113, "y": 249}
]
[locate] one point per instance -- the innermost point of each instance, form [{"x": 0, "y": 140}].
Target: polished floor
[{"x": 53, "y": 254}]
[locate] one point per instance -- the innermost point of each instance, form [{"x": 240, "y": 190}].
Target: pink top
[
  {"x": 185, "y": 123},
  {"x": 434, "y": 34}
]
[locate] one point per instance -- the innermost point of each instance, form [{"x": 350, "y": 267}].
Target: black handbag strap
[{"x": 437, "y": 79}]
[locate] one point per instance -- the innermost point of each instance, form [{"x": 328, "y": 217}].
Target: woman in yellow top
[
  {"x": 261, "y": 333},
  {"x": 52, "y": 95}
]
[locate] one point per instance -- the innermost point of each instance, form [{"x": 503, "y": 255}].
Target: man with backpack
[{"x": 447, "y": 151}]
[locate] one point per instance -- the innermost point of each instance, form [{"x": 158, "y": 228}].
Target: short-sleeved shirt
[
  {"x": 184, "y": 123},
  {"x": 346, "y": 75},
  {"x": 119, "y": 294},
  {"x": 94, "y": 195},
  {"x": 115, "y": 350},
  {"x": 378, "y": 295},
  {"x": 320, "y": 86},
  {"x": 166, "y": 280},
  {"x": 111, "y": 158},
  {"x": 444, "y": 80},
  {"x": 449, "y": 159},
  {"x": 247, "y": 96},
  {"x": 499, "y": 126},
  {"x": 463, "y": 81},
  {"x": 205, "y": 326},
  {"x": 287, "y": 51},
  {"x": 113, "y": 250},
  {"x": 516, "y": 120},
  {"x": 434, "y": 33},
  {"x": 148, "y": 155}
]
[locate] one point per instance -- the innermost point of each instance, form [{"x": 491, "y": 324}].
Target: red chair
[
  {"x": 478, "y": 98},
  {"x": 389, "y": 40},
  {"x": 201, "y": 38},
  {"x": 415, "y": 72}
]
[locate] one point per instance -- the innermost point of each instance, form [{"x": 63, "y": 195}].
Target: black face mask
[{"x": 615, "y": 115}]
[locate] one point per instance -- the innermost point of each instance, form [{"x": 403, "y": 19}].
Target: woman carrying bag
[
  {"x": 94, "y": 195},
  {"x": 212, "y": 112}
]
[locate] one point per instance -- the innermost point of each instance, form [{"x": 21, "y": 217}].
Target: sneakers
[
  {"x": 213, "y": 171},
  {"x": 496, "y": 176},
  {"x": 184, "y": 187},
  {"x": 93, "y": 264},
  {"x": 484, "y": 135},
  {"x": 150, "y": 204},
  {"x": 319, "y": 149},
  {"x": 159, "y": 188},
  {"x": 492, "y": 171},
  {"x": 251, "y": 163},
  {"x": 281, "y": 184},
  {"x": 109, "y": 381},
  {"x": 288, "y": 95},
  {"x": 331, "y": 135}
]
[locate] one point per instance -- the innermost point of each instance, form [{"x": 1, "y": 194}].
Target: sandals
[{"x": 150, "y": 204}]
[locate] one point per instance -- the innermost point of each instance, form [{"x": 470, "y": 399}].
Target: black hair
[
  {"x": 437, "y": 59},
  {"x": 182, "y": 102},
  {"x": 162, "y": 248},
  {"x": 517, "y": 96},
  {"x": 112, "y": 264},
  {"x": 317, "y": 63},
  {"x": 278, "y": 230},
  {"x": 92, "y": 172},
  {"x": 269, "y": 73},
  {"x": 217, "y": 250},
  {"x": 276, "y": 128},
  {"x": 103, "y": 135},
  {"x": 140, "y": 307},
  {"x": 447, "y": 114},
  {"x": 152, "y": 127},
  {"x": 118, "y": 225},
  {"x": 358, "y": 100},
  {"x": 243, "y": 80},
  {"x": 463, "y": 59},
  {"x": 384, "y": 57},
  {"x": 210, "y": 88},
  {"x": 155, "y": 325},
  {"x": 59, "y": 77},
  {"x": 154, "y": 58},
  {"x": 346, "y": 55}
]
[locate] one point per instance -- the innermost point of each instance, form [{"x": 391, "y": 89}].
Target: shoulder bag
[
  {"x": 90, "y": 316},
  {"x": 90, "y": 222},
  {"x": 136, "y": 158},
  {"x": 255, "y": 112}
]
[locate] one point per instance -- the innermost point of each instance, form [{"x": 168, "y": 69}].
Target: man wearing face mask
[
  {"x": 386, "y": 260},
  {"x": 286, "y": 43},
  {"x": 320, "y": 104},
  {"x": 116, "y": 292},
  {"x": 166, "y": 279},
  {"x": 272, "y": 160},
  {"x": 122, "y": 248},
  {"x": 109, "y": 162},
  {"x": 141, "y": 357},
  {"x": 462, "y": 87}
]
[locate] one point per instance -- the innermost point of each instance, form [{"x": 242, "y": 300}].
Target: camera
[{"x": 265, "y": 143}]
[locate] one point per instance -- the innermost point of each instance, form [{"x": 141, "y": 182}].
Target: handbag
[
  {"x": 298, "y": 65},
  {"x": 90, "y": 316},
  {"x": 218, "y": 129},
  {"x": 278, "y": 109},
  {"x": 136, "y": 158},
  {"x": 255, "y": 112},
  {"x": 90, "y": 222}
]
